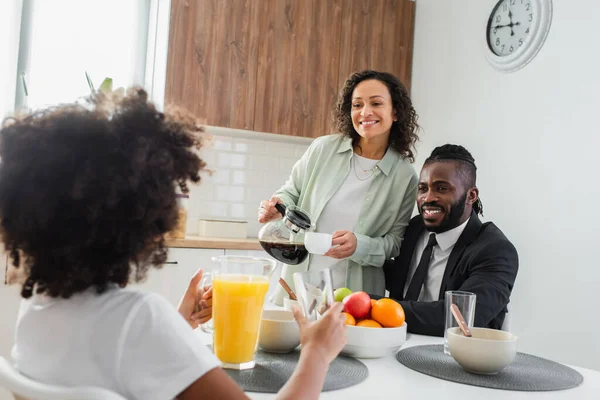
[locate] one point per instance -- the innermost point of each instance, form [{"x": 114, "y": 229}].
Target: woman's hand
[
  {"x": 347, "y": 245},
  {"x": 325, "y": 337},
  {"x": 267, "y": 210},
  {"x": 196, "y": 304}
]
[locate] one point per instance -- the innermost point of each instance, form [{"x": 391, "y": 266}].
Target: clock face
[{"x": 509, "y": 26}]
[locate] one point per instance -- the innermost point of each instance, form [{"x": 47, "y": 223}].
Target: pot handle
[{"x": 281, "y": 208}]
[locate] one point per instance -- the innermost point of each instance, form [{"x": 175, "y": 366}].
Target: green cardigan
[{"x": 384, "y": 215}]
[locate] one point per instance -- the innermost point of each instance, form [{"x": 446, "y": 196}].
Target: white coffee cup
[{"x": 317, "y": 243}]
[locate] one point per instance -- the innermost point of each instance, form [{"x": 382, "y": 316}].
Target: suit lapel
[
  {"x": 413, "y": 232},
  {"x": 469, "y": 234}
]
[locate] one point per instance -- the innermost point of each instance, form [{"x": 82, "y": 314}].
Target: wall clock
[{"x": 516, "y": 31}]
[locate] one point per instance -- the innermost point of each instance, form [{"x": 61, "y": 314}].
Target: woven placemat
[
  {"x": 272, "y": 371},
  {"x": 526, "y": 373}
]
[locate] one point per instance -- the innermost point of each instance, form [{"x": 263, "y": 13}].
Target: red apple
[{"x": 357, "y": 304}]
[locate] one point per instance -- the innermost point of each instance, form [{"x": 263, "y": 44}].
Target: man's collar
[
  {"x": 449, "y": 238},
  {"x": 386, "y": 163}
]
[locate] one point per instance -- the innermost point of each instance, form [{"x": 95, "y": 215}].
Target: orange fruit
[
  {"x": 388, "y": 313},
  {"x": 368, "y": 323},
  {"x": 349, "y": 319}
]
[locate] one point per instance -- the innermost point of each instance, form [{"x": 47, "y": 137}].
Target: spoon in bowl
[{"x": 288, "y": 289}]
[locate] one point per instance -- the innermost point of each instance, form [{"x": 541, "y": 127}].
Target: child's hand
[{"x": 196, "y": 304}]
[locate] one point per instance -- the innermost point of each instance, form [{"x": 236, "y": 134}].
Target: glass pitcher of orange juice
[{"x": 239, "y": 286}]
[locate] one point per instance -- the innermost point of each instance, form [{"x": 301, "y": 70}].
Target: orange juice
[{"x": 237, "y": 308}]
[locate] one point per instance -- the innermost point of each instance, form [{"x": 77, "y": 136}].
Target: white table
[{"x": 388, "y": 379}]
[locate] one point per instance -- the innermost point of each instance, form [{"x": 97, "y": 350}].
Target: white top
[
  {"x": 439, "y": 258},
  {"x": 126, "y": 341},
  {"x": 341, "y": 213}
]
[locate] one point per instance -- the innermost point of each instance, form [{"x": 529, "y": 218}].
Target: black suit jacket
[{"x": 483, "y": 261}]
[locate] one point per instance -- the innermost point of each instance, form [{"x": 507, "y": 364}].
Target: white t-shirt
[
  {"x": 129, "y": 342},
  {"x": 341, "y": 213}
]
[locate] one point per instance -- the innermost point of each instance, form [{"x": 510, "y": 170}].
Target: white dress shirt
[{"x": 439, "y": 258}]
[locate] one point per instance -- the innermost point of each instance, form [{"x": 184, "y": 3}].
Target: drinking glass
[
  {"x": 314, "y": 290},
  {"x": 465, "y": 301}
]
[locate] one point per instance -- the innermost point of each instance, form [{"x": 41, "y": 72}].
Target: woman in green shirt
[{"x": 358, "y": 184}]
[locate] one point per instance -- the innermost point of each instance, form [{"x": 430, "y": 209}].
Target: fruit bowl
[{"x": 372, "y": 342}]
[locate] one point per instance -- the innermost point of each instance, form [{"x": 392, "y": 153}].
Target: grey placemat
[
  {"x": 526, "y": 373},
  {"x": 272, "y": 371}
]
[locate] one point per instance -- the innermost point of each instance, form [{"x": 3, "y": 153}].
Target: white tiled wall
[{"x": 248, "y": 167}]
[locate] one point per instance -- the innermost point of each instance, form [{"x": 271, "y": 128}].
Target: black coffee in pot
[{"x": 286, "y": 252}]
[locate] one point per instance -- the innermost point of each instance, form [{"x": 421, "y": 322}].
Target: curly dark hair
[
  {"x": 403, "y": 134},
  {"x": 87, "y": 191}
]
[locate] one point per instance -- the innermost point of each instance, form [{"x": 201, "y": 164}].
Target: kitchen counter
[{"x": 201, "y": 242}]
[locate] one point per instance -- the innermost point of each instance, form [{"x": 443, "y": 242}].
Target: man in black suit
[{"x": 447, "y": 247}]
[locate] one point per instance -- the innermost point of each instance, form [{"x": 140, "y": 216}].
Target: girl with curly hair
[
  {"x": 86, "y": 196},
  {"x": 358, "y": 184}
]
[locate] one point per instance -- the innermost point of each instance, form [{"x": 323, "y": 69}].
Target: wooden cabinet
[
  {"x": 377, "y": 34},
  {"x": 298, "y": 62},
  {"x": 277, "y": 65}
]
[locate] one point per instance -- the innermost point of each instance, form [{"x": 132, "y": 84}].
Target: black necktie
[{"x": 414, "y": 289}]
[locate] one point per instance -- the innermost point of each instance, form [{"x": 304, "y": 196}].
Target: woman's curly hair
[
  {"x": 87, "y": 192},
  {"x": 403, "y": 134}
]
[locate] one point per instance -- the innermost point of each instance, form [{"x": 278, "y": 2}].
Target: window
[
  {"x": 10, "y": 17},
  {"x": 61, "y": 40}
]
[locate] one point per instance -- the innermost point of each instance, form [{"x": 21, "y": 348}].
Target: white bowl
[
  {"x": 288, "y": 303},
  {"x": 279, "y": 332},
  {"x": 487, "y": 352},
  {"x": 373, "y": 342}
]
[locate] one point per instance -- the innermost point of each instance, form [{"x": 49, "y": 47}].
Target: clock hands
[
  {"x": 512, "y": 32},
  {"x": 504, "y": 26}
]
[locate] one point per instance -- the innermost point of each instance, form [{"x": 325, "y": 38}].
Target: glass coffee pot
[{"x": 283, "y": 238}]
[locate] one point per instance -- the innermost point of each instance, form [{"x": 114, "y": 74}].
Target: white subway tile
[
  {"x": 257, "y": 194},
  {"x": 203, "y": 191},
  {"x": 263, "y": 162},
  {"x": 286, "y": 164},
  {"x": 282, "y": 149},
  {"x": 221, "y": 177},
  {"x": 247, "y": 178},
  {"x": 209, "y": 156},
  {"x": 223, "y": 143},
  {"x": 224, "y": 160},
  {"x": 299, "y": 150},
  {"x": 251, "y": 211},
  {"x": 215, "y": 209},
  {"x": 236, "y": 193},
  {"x": 232, "y": 160},
  {"x": 241, "y": 146},
  {"x": 277, "y": 177},
  {"x": 238, "y": 160},
  {"x": 258, "y": 147},
  {"x": 230, "y": 193},
  {"x": 247, "y": 170},
  {"x": 238, "y": 211}
]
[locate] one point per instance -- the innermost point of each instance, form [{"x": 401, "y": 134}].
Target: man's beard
[{"x": 451, "y": 219}]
